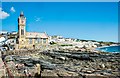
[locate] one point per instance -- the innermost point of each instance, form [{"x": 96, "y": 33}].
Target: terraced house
[{"x": 29, "y": 39}]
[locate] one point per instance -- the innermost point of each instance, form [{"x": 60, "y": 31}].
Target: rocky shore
[{"x": 66, "y": 64}]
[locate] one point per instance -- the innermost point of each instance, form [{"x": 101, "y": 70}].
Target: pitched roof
[{"x": 36, "y": 35}]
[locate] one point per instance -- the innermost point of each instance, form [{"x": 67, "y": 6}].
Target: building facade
[{"x": 29, "y": 39}]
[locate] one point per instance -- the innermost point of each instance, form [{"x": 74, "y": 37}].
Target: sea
[{"x": 113, "y": 49}]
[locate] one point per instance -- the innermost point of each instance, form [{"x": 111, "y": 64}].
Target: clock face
[{"x": 22, "y": 21}]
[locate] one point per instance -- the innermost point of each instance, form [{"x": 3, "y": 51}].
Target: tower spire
[{"x": 21, "y": 14}]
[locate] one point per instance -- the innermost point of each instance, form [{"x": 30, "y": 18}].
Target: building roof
[
  {"x": 2, "y": 39},
  {"x": 36, "y": 35}
]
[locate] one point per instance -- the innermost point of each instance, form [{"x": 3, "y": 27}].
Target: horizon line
[{"x": 60, "y": 1}]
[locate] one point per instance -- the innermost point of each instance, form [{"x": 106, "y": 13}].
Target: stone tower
[{"x": 21, "y": 30}]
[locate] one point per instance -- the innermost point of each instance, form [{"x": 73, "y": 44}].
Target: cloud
[
  {"x": 12, "y": 9},
  {"x": 3, "y": 14},
  {"x": 37, "y": 19}
]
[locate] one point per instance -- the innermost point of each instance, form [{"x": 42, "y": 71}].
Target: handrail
[{"x": 8, "y": 71}]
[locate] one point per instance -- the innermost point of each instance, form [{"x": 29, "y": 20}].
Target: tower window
[
  {"x": 30, "y": 41},
  {"x": 22, "y": 32}
]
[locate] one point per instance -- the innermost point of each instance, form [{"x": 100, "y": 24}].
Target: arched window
[{"x": 22, "y": 31}]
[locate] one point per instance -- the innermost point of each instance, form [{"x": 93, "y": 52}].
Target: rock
[
  {"x": 102, "y": 65},
  {"x": 48, "y": 65},
  {"x": 89, "y": 64},
  {"x": 45, "y": 64},
  {"x": 49, "y": 73},
  {"x": 108, "y": 65},
  {"x": 8, "y": 58},
  {"x": 80, "y": 57},
  {"x": 64, "y": 73},
  {"x": 98, "y": 67},
  {"x": 89, "y": 72},
  {"x": 83, "y": 70},
  {"x": 61, "y": 58},
  {"x": 116, "y": 73},
  {"x": 105, "y": 73},
  {"x": 29, "y": 64},
  {"x": 70, "y": 69},
  {"x": 94, "y": 76},
  {"x": 72, "y": 73}
]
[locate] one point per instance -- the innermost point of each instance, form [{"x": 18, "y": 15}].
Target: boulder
[
  {"x": 49, "y": 73},
  {"x": 94, "y": 76},
  {"x": 67, "y": 74}
]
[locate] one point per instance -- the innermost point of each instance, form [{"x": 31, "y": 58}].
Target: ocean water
[{"x": 110, "y": 49}]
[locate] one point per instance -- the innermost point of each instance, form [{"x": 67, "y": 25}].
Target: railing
[{"x": 10, "y": 75}]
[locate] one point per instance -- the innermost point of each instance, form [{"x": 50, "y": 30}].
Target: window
[
  {"x": 44, "y": 40},
  {"x": 35, "y": 40},
  {"x": 38, "y": 40},
  {"x": 22, "y": 31},
  {"x": 30, "y": 41}
]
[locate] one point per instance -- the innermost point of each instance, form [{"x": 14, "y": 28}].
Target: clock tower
[{"x": 22, "y": 30}]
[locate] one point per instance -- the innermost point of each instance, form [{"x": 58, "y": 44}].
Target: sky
[{"x": 83, "y": 20}]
